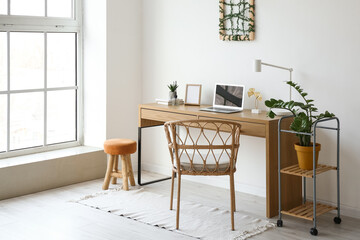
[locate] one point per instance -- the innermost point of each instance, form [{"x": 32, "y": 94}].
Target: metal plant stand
[{"x": 310, "y": 210}]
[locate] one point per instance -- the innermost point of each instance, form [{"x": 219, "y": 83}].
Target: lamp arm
[
  {"x": 284, "y": 68},
  {"x": 275, "y": 66}
]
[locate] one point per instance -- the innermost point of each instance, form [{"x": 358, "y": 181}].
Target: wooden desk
[{"x": 257, "y": 125}]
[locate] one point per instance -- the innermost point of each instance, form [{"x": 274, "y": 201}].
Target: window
[{"x": 40, "y": 75}]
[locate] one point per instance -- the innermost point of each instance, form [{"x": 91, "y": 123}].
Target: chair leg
[
  {"x": 172, "y": 190},
  {"x": 178, "y": 202},
  {"x": 124, "y": 172},
  {"x": 130, "y": 171},
  {"x": 232, "y": 196},
  {"x": 108, "y": 173},
  {"x": 115, "y": 169}
]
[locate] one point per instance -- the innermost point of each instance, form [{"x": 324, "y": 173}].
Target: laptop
[{"x": 228, "y": 98}]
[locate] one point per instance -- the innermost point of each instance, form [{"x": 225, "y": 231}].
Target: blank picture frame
[{"x": 193, "y": 94}]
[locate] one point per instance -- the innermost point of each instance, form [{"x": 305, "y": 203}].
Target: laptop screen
[{"x": 229, "y": 95}]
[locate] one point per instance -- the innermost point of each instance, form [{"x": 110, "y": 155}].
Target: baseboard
[
  {"x": 349, "y": 211},
  {"x": 223, "y": 182},
  {"x": 156, "y": 168},
  {"x": 344, "y": 210},
  {"x": 250, "y": 189}
]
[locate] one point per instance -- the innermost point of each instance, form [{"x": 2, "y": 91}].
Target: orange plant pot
[{"x": 305, "y": 155}]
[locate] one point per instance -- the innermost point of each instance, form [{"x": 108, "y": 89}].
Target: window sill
[{"x": 44, "y": 156}]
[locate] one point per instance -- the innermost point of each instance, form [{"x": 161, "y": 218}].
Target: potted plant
[
  {"x": 304, "y": 117},
  {"x": 172, "y": 87}
]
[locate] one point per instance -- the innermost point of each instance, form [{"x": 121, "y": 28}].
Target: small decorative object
[
  {"x": 193, "y": 94},
  {"x": 179, "y": 101},
  {"x": 304, "y": 117},
  {"x": 173, "y": 94},
  {"x": 258, "y": 98},
  {"x": 237, "y": 20}
]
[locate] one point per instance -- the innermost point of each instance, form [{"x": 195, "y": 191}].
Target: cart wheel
[
  {"x": 337, "y": 220},
  {"x": 279, "y": 223},
  {"x": 314, "y": 231}
]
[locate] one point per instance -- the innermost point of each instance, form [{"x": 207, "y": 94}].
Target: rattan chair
[{"x": 203, "y": 147}]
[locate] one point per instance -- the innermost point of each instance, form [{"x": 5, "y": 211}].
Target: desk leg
[
  {"x": 139, "y": 163},
  {"x": 291, "y": 186},
  {"x": 139, "y": 156}
]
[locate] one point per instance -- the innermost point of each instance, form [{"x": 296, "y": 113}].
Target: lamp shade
[{"x": 257, "y": 65}]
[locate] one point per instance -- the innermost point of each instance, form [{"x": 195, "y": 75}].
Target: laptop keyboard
[{"x": 222, "y": 110}]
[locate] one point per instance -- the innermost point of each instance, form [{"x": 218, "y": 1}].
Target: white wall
[
  {"x": 112, "y": 66},
  {"x": 319, "y": 39},
  {"x": 123, "y": 68},
  {"x": 94, "y": 26}
]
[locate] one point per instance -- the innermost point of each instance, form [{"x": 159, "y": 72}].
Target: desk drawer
[
  {"x": 247, "y": 128},
  {"x": 163, "y": 116}
]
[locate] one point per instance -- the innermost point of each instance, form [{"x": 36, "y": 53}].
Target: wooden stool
[{"x": 122, "y": 147}]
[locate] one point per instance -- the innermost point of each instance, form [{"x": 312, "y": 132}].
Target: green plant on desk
[
  {"x": 173, "y": 94},
  {"x": 172, "y": 87}
]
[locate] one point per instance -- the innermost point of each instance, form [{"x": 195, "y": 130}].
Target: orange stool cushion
[{"x": 119, "y": 146}]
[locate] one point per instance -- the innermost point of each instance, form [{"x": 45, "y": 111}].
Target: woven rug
[{"x": 196, "y": 220}]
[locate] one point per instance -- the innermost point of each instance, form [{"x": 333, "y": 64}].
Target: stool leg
[
  {"x": 124, "y": 172},
  {"x": 130, "y": 171},
  {"x": 108, "y": 173},
  {"x": 115, "y": 169}
]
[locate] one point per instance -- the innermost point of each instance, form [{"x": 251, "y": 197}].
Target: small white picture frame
[{"x": 193, "y": 94}]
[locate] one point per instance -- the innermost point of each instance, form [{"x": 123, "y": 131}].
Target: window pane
[
  {"x": 61, "y": 116},
  {"x": 61, "y": 57},
  {"x": 27, "y": 7},
  {"x": 3, "y": 121},
  {"x": 26, "y": 60},
  {"x": 27, "y": 120},
  {"x": 3, "y": 7},
  {"x": 59, "y": 8},
  {"x": 3, "y": 61}
]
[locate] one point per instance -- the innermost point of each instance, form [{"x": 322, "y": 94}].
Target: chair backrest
[{"x": 203, "y": 147}]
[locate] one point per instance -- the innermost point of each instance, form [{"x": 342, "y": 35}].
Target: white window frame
[{"x": 12, "y": 23}]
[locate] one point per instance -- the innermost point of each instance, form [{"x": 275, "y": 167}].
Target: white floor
[{"x": 51, "y": 215}]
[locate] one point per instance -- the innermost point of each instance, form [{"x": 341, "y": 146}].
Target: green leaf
[
  {"x": 301, "y": 123},
  {"x": 270, "y": 103},
  {"x": 273, "y": 103},
  {"x": 327, "y": 114},
  {"x": 302, "y": 115},
  {"x": 291, "y": 104},
  {"x": 290, "y": 83},
  {"x": 302, "y": 111},
  {"x": 271, "y": 114}
]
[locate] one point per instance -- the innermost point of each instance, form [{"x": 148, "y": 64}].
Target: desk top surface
[{"x": 244, "y": 115}]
